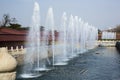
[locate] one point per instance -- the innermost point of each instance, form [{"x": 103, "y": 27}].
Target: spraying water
[
  {"x": 51, "y": 31},
  {"x": 34, "y": 54},
  {"x": 61, "y": 50}
]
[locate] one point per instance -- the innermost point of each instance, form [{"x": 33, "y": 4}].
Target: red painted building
[{"x": 11, "y": 37}]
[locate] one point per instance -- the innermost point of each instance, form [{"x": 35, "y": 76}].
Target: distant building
[
  {"x": 117, "y": 36},
  {"x": 11, "y": 37}
]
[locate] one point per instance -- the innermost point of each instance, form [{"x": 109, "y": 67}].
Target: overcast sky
[{"x": 100, "y": 13}]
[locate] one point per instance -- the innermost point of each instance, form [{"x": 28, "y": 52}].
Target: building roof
[
  {"x": 12, "y": 31},
  {"x": 7, "y": 34}
]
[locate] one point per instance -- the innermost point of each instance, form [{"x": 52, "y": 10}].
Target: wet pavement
[{"x": 99, "y": 64}]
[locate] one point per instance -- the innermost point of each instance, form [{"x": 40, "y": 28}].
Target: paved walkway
[{"x": 102, "y": 64}]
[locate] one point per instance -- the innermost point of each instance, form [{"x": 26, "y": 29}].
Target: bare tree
[
  {"x": 0, "y": 24},
  {"x": 6, "y": 20},
  {"x": 13, "y": 20}
]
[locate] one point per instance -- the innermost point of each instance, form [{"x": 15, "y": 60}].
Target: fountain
[
  {"x": 55, "y": 45},
  {"x": 70, "y": 37},
  {"x": 56, "y": 48},
  {"x": 77, "y": 35},
  {"x": 82, "y": 36},
  {"x": 51, "y": 31},
  {"x": 36, "y": 54},
  {"x": 64, "y": 36},
  {"x": 61, "y": 49}
]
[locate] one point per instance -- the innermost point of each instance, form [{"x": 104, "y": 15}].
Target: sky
[{"x": 102, "y": 14}]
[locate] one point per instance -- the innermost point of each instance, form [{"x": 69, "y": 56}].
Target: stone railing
[
  {"x": 107, "y": 43},
  {"x": 17, "y": 50},
  {"x": 22, "y": 50}
]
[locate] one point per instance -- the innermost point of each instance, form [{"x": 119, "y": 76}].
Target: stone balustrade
[
  {"x": 107, "y": 43},
  {"x": 17, "y": 50},
  {"x": 22, "y": 50}
]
